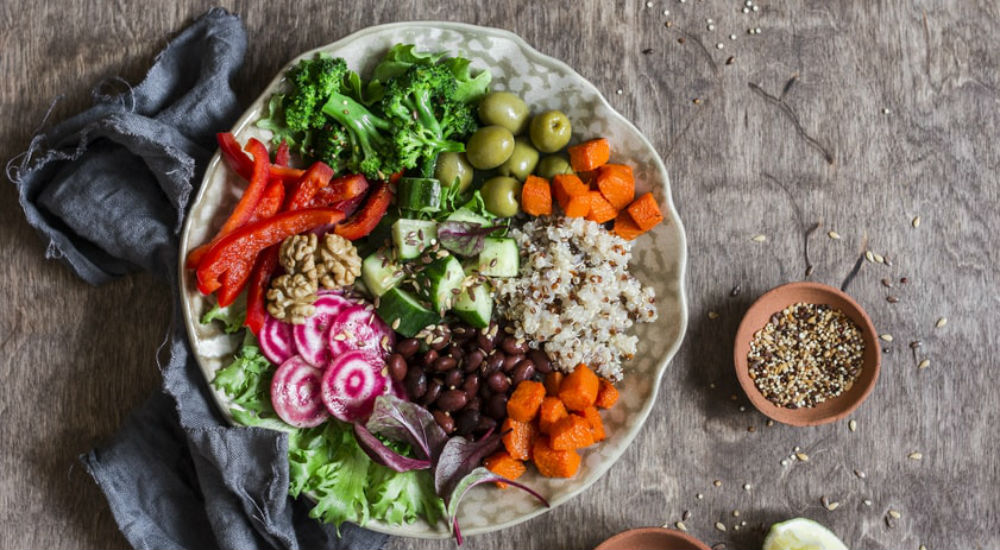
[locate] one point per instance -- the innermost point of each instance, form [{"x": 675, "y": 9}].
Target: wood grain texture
[{"x": 892, "y": 113}]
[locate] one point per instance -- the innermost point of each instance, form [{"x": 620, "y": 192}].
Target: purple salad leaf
[
  {"x": 478, "y": 476},
  {"x": 381, "y": 454},
  {"x": 463, "y": 238},
  {"x": 406, "y": 422},
  {"x": 459, "y": 457}
]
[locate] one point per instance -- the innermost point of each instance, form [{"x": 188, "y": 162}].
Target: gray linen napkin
[{"x": 108, "y": 190}]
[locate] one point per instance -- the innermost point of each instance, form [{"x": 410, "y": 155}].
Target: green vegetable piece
[
  {"x": 402, "y": 306},
  {"x": 501, "y": 195},
  {"x": 550, "y": 131},
  {"x": 504, "y": 109},
  {"x": 411, "y": 237},
  {"x": 489, "y": 147},
  {"x": 499, "y": 258},
  {"x": 232, "y": 316},
  {"x": 380, "y": 272},
  {"x": 419, "y": 194},
  {"x": 522, "y": 161},
  {"x": 475, "y": 306},
  {"x": 452, "y": 169}
]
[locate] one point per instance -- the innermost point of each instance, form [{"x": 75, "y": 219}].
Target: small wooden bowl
[
  {"x": 778, "y": 299},
  {"x": 652, "y": 538}
]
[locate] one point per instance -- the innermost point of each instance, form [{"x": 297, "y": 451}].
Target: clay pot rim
[
  {"x": 776, "y": 300},
  {"x": 668, "y": 539}
]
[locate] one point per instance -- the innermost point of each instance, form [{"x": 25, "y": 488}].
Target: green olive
[
  {"x": 553, "y": 165},
  {"x": 489, "y": 147},
  {"x": 504, "y": 109},
  {"x": 502, "y": 196},
  {"x": 550, "y": 131},
  {"x": 451, "y": 168},
  {"x": 522, "y": 161}
]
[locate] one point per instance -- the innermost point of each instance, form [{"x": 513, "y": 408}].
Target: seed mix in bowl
[
  {"x": 806, "y": 354},
  {"x": 575, "y": 297}
]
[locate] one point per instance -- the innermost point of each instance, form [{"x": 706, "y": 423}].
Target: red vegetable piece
[
  {"x": 244, "y": 209},
  {"x": 233, "y": 281},
  {"x": 267, "y": 262},
  {"x": 316, "y": 177},
  {"x": 249, "y": 240},
  {"x": 339, "y": 190},
  {"x": 365, "y": 220},
  {"x": 242, "y": 165},
  {"x": 270, "y": 203},
  {"x": 283, "y": 156},
  {"x": 296, "y": 394}
]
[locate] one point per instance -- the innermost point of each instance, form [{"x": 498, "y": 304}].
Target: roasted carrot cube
[
  {"x": 517, "y": 438},
  {"x": 645, "y": 212},
  {"x": 552, "y": 411},
  {"x": 579, "y": 389},
  {"x": 625, "y": 227},
  {"x": 596, "y": 424},
  {"x": 552, "y": 382},
  {"x": 607, "y": 394},
  {"x": 502, "y": 464},
  {"x": 570, "y": 433},
  {"x": 600, "y": 209},
  {"x": 553, "y": 463},
  {"x": 524, "y": 402}
]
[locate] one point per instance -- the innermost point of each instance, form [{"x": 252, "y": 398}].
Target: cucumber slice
[
  {"x": 475, "y": 306},
  {"x": 419, "y": 194},
  {"x": 411, "y": 237},
  {"x": 466, "y": 215},
  {"x": 442, "y": 279},
  {"x": 499, "y": 258},
  {"x": 380, "y": 272},
  {"x": 801, "y": 534},
  {"x": 404, "y": 313}
]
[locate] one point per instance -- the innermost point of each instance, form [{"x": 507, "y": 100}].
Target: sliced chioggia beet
[
  {"x": 359, "y": 328},
  {"x": 311, "y": 337},
  {"x": 351, "y": 384},
  {"x": 276, "y": 340},
  {"x": 295, "y": 393}
]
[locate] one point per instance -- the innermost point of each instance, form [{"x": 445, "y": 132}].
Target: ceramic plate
[{"x": 658, "y": 257}]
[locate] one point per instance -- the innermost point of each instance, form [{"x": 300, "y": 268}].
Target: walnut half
[
  {"x": 338, "y": 261},
  {"x": 291, "y": 298},
  {"x": 310, "y": 262}
]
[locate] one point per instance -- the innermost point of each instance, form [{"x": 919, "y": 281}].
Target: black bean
[
  {"x": 494, "y": 362},
  {"x": 397, "y": 367},
  {"x": 433, "y": 392},
  {"x": 455, "y": 352},
  {"x": 473, "y": 359},
  {"x": 484, "y": 391},
  {"x": 429, "y": 358},
  {"x": 485, "y": 424},
  {"x": 440, "y": 342},
  {"x": 471, "y": 384},
  {"x": 452, "y": 400},
  {"x": 512, "y": 345},
  {"x": 466, "y": 421},
  {"x": 416, "y": 383},
  {"x": 496, "y": 408},
  {"x": 442, "y": 364},
  {"x": 524, "y": 370},
  {"x": 511, "y": 361},
  {"x": 484, "y": 342},
  {"x": 541, "y": 361},
  {"x": 408, "y": 347},
  {"x": 474, "y": 403},
  {"x": 445, "y": 420},
  {"x": 453, "y": 378},
  {"x": 498, "y": 381}
]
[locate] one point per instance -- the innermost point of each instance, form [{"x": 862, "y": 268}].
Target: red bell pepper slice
[
  {"x": 242, "y": 165},
  {"x": 266, "y": 265},
  {"x": 283, "y": 156},
  {"x": 270, "y": 203},
  {"x": 244, "y": 209},
  {"x": 340, "y": 189},
  {"x": 233, "y": 281},
  {"x": 362, "y": 223},
  {"x": 239, "y": 249},
  {"x": 316, "y": 177}
]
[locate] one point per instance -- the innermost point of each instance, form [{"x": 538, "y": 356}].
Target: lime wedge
[{"x": 801, "y": 534}]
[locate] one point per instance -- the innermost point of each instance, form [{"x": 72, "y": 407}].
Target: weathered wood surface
[{"x": 893, "y": 113}]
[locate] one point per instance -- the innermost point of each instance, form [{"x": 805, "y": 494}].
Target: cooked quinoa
[{"x": 575, "y": 297}]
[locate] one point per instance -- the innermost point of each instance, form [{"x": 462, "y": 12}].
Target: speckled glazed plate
[{"x": 658, "y": 258}]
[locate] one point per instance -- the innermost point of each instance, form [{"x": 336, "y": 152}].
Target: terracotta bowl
[
  {"x": 652, "y": 538},
  {"x": 778, "y": 299}
]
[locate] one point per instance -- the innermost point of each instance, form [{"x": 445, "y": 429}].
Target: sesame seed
[
  {"x": 758, "y": 238},
  {"x": 941, "y": 322},
  {"x": 719, "y": 46},
  {"x": 720, "y": 526},
  {"x": 680, "y": 526},
  {"x": 867, "y": 502},
  {"x": 619, "y": 91},
  {"x": 746, "y": 487},
  {"x": 732, "y": 37},
  {"x": 713, "y": 315},
  {"x": 916, "y": 222},
  {"x": 834, "y": 235},
  {"x": 852, "y": 425},
  {"x": 887, "y": 337},
  {"x": 860, "y": 474},
  {"x": 924, "y": 364},
  {"x": 699, "y": 496},
  {"x": 717, "y": 483},
  {"x": 803, "y": 457},
  {"x": 711, "y": 27},
  {"x": 736, "y": 513},
  {"x": 895, "y": 514},
  {"x": 915, "y": 456},
  {"x": 755, "y": 8}
]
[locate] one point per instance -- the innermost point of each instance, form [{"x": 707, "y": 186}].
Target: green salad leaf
[{"x": 232, "y": 316}]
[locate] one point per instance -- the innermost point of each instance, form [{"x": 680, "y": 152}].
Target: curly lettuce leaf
[
  {"x": 400, "y": 58},
  {"x": 403, "y": 497},
  {"x": 247, "y": 381},
  {"x": 340, "y": 479},
  {"x": 232, "y": 316},
  {"x": 469, "y": 88}
]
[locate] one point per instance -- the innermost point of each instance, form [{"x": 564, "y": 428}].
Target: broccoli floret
[
  {"x": 314, "y": 80},
  {"x": 371, "y": 149},
  {"x": 421, "y": 104}
]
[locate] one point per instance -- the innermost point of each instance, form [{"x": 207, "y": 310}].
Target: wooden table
[{"x": 860, "y": 116}]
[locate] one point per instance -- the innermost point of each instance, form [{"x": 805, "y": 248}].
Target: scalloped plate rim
[{"x": 536, "y": 57}]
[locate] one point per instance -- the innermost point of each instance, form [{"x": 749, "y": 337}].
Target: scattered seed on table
[
  {"x": 719, "y": 46},
  {"x": 713, "y": 315},
  {"x": 915, "y": 344},
  {"x": 803, "y": 457},
  {"x": 755, "y": 8},
  {"x": 915, "y": 456},
  {"x": 699, "y": 496},
  {"x": 784, "y": 462},
  {"x": 730, "y": 60},
  {"x": 751, "y": 429},
  {"x": 895, "y": 514},
  {"x": 717, "y": 483},
  {"x": 892, "y": 299},
  {"x": 720, "y": 526},
  {"x": 887, "y": 337},
  {"x": 686, "y": 515},
  {"x": 746, "y": 487},
  {"x": 769, "y": 423},
  {"x": 736, "y": 513},
  {"x": 852, "y": 425},
  {"x": 878, "y": 257},
  {"x": 916, "y": 222},
  {"x": 869, "y": 256},
  {"x": 867, "y": 502},
  {"x": 886, "y": 283},
  {"x": 924, "y": 364},
  {"x": 831, "y": 506},
  {"x": 861, "y": 474},
  {"x": 680, "y": 526},
  {"x": 941, "y": 322},
  {"x": 758, "y": 238},
  {"x": 732, "y": 37},
  {"x": 711, "y": 27},
  {"x": 735, "y": 291},
  {"x": 647, "y": 51},
  {"x": 833, "y": 235}
]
